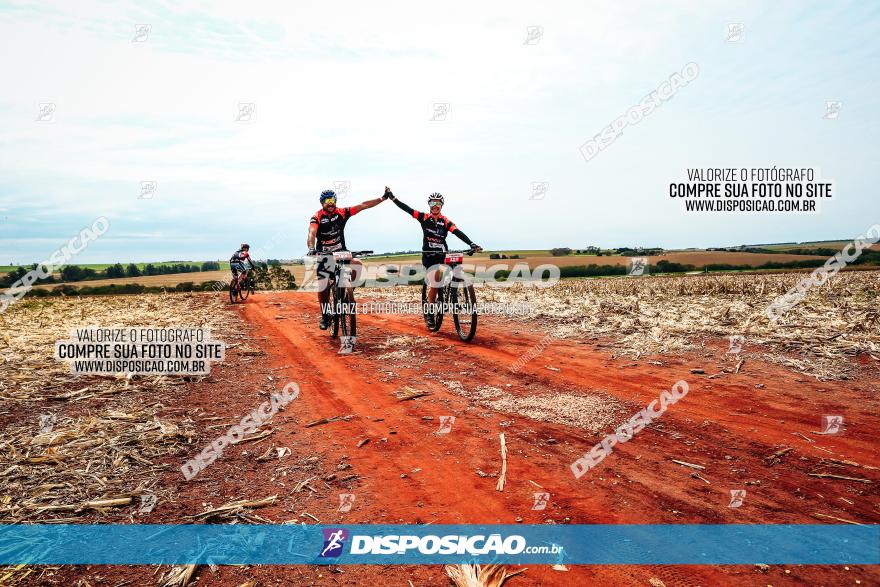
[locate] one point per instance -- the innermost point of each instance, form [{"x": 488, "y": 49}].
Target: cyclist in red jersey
[
  {"x": 237, "y": 261},
  {"x": 435, "y": 228},
  {"x": 327, "y": 235}
]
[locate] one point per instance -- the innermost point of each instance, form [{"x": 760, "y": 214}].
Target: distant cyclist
[
  {"x": 239, "y": 258},
  {"x": 435, "y": 228},
  {"x": 327, "y": 235}
]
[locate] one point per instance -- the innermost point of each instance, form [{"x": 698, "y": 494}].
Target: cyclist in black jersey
[
  {"x": 435, "y": 228},
  {"x": 326, "y": 236},
  {"x": 238, "y": 259}
]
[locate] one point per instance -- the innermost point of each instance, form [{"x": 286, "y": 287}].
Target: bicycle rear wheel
[
  {"x": 464, "y": 311},
  {"x": 427, "y": 313}
]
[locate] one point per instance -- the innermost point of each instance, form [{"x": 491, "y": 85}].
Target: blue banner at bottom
[{"x": 117, "y": 544}]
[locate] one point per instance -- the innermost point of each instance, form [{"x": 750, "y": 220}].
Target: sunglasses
[
  {"x": 330, "y": 201},
  {"x": 433, "y": 203}
]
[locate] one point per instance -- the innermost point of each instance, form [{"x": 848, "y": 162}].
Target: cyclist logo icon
[
  {"x": 148, "y": 502},
  {"x": 736, "y": 342},
  {"x": 346, "y": 500},
  {"x": 346, "y": 345},
  {"x": 446, "y": 423},
  {"x": 47, "y": 423},
  {"x": 334, "y": 541},
  {"x": 638, "y": 265},
  {"x": 831, "y": 424},
  {"x": 737, "y": 496},
  {"x": 541, "y": 500}
]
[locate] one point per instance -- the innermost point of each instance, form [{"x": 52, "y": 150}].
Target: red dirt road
[
  {"x": 728, "y": 423},
  {"x": 407, "y": 473}
]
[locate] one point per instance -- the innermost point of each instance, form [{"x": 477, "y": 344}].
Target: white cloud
[{"x": 344, "y": 91}]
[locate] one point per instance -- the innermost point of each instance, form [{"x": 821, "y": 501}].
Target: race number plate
[
  {"x": 454, "y": 258},
  {"x": 342, "y": 255}
]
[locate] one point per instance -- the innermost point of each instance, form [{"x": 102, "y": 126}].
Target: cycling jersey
[
  {"x": 434, "y": 230},
  {"x": 237, "y": 261},
  {"x": 331, "y": 228},
  {"x": 240, "y": 256}
]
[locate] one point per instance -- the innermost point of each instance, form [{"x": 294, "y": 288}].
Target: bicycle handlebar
[
  {"x": 328, "y": 253},
  {"x": 466, "y": 251}
]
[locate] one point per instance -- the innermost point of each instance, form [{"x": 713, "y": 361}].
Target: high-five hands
[{"x": 387, "y": 193}]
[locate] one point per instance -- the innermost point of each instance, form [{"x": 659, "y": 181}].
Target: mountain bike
[
  {"x": 343, "y": 313},
  {"x": 241, "y": 286},
  {"x": 457, "y": 296}
]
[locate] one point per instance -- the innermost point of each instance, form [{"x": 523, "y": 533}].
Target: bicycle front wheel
[
  {"x": 432, "y": 315},
  {"x": 464, "y": 311},
  {"x": 334, "y": 311},
  {"x": 348, "y": 317},
  {"x": 233, "y": 291}
]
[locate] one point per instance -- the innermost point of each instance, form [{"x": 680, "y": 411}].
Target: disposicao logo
[
  {"x": 471, "y": 545},
  {"x": 334, "y": 539}
]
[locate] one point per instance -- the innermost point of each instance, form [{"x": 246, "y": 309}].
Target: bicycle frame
[
  {"x": 341, "y": 298},
  {"x": 458, "y": 276},
  {"x": 239, "y": 279},
  {"x": 454, "y": 284}
]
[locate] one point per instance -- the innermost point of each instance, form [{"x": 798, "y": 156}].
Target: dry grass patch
[
  {"x": 587, "y": 412},
  {"x": 75, "y": 445},
  {"x": 643, "y": 316}
]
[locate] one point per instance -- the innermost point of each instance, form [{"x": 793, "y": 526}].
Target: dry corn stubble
[
  {"x": 105, "y": 437},
  {"x": 644, "y": 316},
  {"x": 480, "y": 575},
  {"x": 102, "y": 441}
]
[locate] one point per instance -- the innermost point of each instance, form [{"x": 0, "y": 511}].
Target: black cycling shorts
[{"x": 431, "y": 259}]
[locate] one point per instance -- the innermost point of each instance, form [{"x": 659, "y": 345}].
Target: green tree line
[{"x": 71, "y": 273}]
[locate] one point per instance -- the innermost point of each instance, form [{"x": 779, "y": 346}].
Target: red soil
[{"x": 408, "y": 474}]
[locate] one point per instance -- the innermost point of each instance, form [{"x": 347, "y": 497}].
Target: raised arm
[
  {"x": 365, "y": 205},
  {"x": 400, "y": 204}
]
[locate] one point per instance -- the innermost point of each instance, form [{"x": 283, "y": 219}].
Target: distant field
[
  {"x": 836, "y": 245},
  {"x": 102, "y": 266},
  {"x": 829, "y": 245},
  {"x": 696, "y": 258},
  {"x": 171, "y": 279}
]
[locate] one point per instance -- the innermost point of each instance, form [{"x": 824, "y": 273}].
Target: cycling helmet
[
  {"x": 327, "y": 194},
  {"x": 436, "y": 196},
  {"x": 245, "y": 246}
]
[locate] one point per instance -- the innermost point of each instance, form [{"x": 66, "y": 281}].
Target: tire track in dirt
[{"x": 415, "y": 475}]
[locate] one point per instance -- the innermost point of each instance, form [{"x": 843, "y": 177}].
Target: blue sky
[{"x": 345, "y": 92}]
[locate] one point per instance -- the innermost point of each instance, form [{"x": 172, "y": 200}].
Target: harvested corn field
[
  {"x": 410, "y": 421},
  {"x": 645, "y": 316},
  {"x": 80, "y": 448}
]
